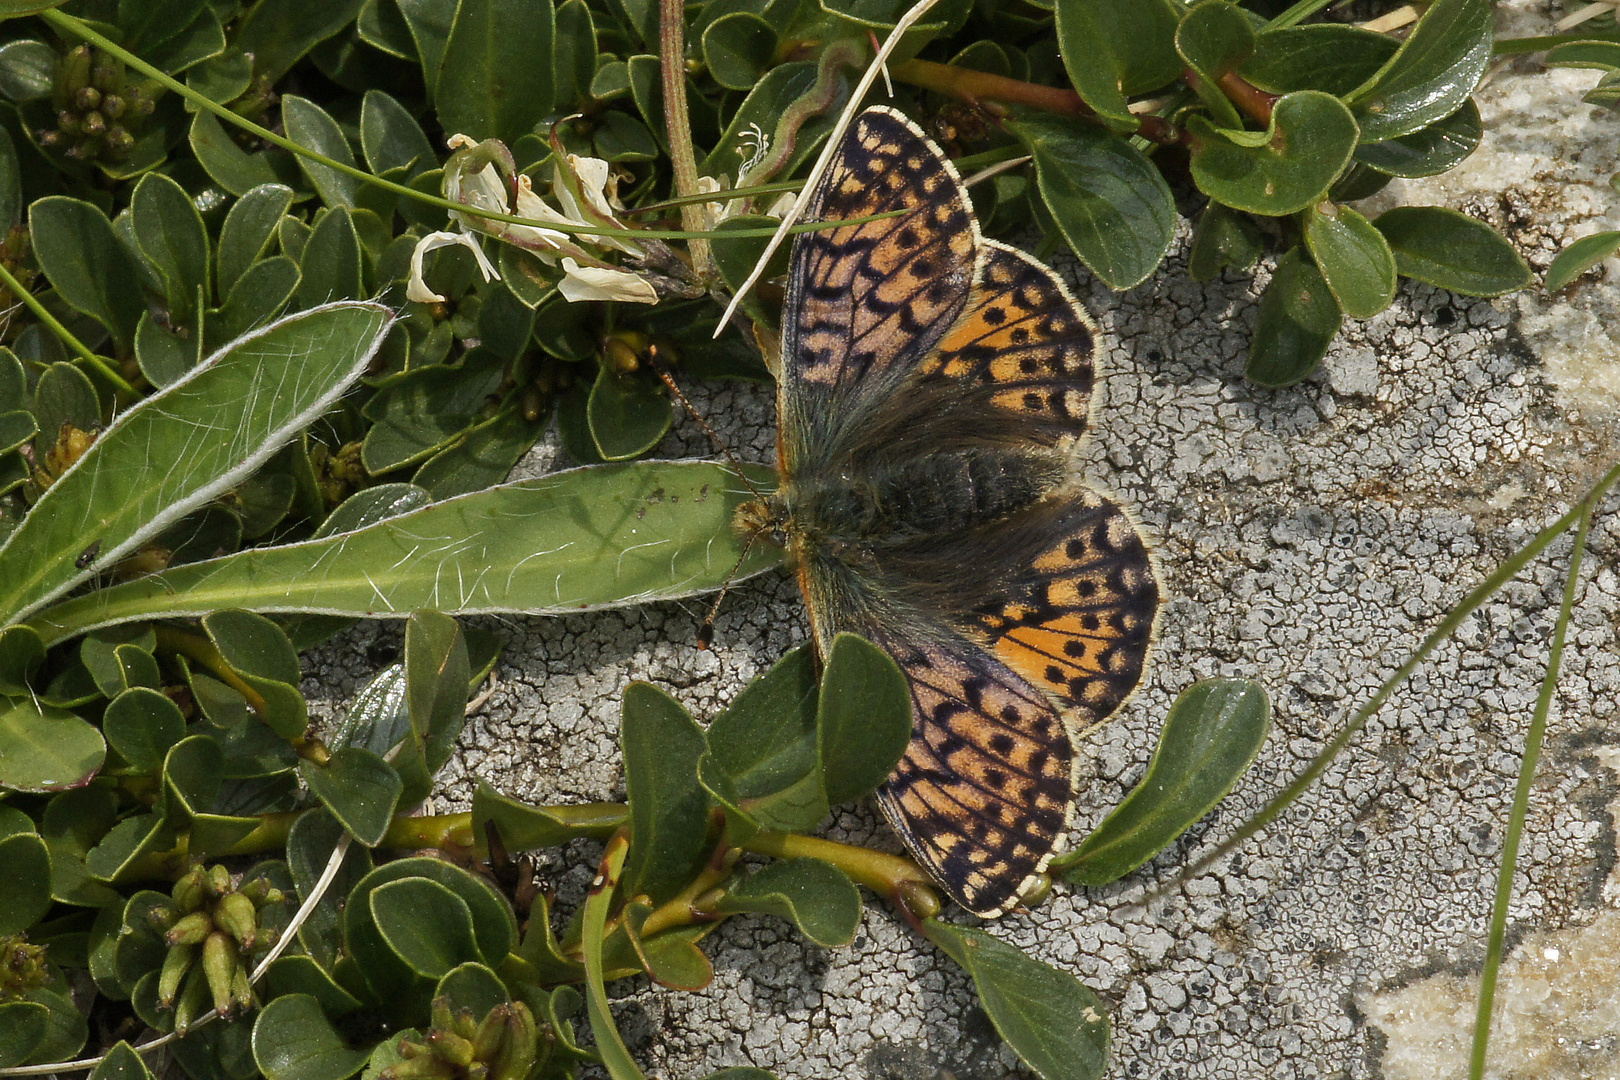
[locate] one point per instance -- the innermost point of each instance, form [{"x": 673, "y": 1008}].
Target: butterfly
[{"x": 933, "y": 384}]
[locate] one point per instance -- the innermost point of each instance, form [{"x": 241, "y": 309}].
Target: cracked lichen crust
[{"x": 1310, "y": 538}]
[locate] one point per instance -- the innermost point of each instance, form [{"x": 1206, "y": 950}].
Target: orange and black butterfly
[{"x": 933, "y": 383}]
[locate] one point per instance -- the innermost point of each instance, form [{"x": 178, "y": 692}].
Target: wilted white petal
[
  {"x": 783, "y": 203},
  {"x": 602, "y": 283},
  {"x": 417, "y": 288},
  {"x": 593, "y": 176},
  {"x": 713, "y": 212}
]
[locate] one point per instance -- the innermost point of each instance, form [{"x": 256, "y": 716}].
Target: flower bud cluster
[
  {"x": 97, "y": 107},
  {"x": 502, "y": 1046},
  {"x": 211, "y": 928}
]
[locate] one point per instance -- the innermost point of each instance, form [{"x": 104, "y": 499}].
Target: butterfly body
[{"x": 933, "y": 386}]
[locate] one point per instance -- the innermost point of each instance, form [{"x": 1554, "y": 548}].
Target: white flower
[
  {"x": 475, "y": 176},
  {"x": 604, "y": 283},
  {"x": 417, "y": 288}
]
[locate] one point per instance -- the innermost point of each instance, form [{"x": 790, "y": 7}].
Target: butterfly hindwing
[
  {"x": 983, "y": 795},
  {"x": 1076, "y": 618}
]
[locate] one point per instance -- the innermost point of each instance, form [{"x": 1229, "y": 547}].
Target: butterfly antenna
[
  {"x": 656, "y": 362},
  {"x": 705, "y": 634}
]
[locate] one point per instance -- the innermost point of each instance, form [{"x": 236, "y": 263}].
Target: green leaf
[
  {"x": 1210, "y": 738},
  {"x": 359, "y": 788},
  {"x": 428, "y": 407},
  {"x": 150, "y": 467},
  {"x": 279, "y": 34},
  {"x": 1353, "y": 257},
  {"x": 762, "y": 757},
  {"x": 21, "y": 654},
  {"x": 428, "y": 926},
  {"x": 739, "y": 48},
  {"x": 23, "y": 1027},
  {"x": 1110, "y": 202},
  {"x": 44, "y": 748},
  {"x": 1215, "y": 38},
  {"x": 472, "y": 986},
  {"x": 330, "y": 265},
  {"x": 669, "y": 810},
  {"x": 524, "y": 828},
  {"x": 437, "y": 674},
  {"x": 597, "y": 536},
  {"x": 1052, "y": 1021},
  {"x": 125, "y": 843},
  {"x": 429, "y": 23},
  {"x": 67, "y": 1030},
  {"x": 593, "y": 922},
  {"x": 27, "y": 68},
  {"x": 87, "y": 264},
  {"x": 1298, "y": 320},
  {"x": 1223, "y": 237},
  {"x": 310, "y": 843},
  {"x": 25, "y": 887},
  {"x": 815, "y": 896},
  {"x": 192, "y": 777},
  {"x": 293, "y": 1040},
  {"x": 233, "y": 168},
  {"x": 310, "y": 126},
  {"x": 628, "y": 414},
  {"x": 499, "y": 56},
  {"x": 1113, "y": 49},
  {"x": 1579, "y": 257},
  {"x": 671, "y": 958},
  {"x": 257, "y": 651},
  {"x": 1429, "y": 151},
  {"x": 121, "y": 1063},
  {"x": 390, "y": 137},
  {"x": 1431, "y": 75},
  {"x": 1310, "y": 140},
  {"x": 482, "y": 458},
  {"x": 575, "y": 54},
  {"x": 1332, "y": 57},
  {"x": 170, "y": 235},
  {"x": 1453, "y": 251},
  {"x": 494, "y": 928},
  {"x": 298, "y": 974},
  {"x": 863, "y": 718},
  {"x": 141, "y": 724}
]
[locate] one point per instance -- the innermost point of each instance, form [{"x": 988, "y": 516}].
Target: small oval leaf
[
  {"x": 1453, "y": 251},
  {"x": 1210, "y": 738}
]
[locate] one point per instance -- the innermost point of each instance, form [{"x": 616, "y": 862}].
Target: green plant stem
[
  {"x": 979, "y": 88},
  {"x": 1470, "y": 603},
  {"x": 678, "y": 125},
  {"x": 203, "y": 651},
  {"x": 62, "y": 333},
  {"x": 890, "y": 876},
  {"x": 1521, "y": 803},
  {"x": 70, "y": 25}
]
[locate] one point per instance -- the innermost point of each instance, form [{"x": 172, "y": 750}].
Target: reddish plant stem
[
  {"x": 1254, "y": 101},
  {"x": 983, "y": 90}
]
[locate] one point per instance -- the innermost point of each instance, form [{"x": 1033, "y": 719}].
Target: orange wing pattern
[
  {"x": 983, "y": 795},
  {"x": 1078, "y": 620},
  {"x": 867, "y": 302},
  {"x": 1025, "y": 341}
]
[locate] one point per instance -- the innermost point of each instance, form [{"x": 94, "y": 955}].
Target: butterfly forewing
[{"x": 866, "y": 303}]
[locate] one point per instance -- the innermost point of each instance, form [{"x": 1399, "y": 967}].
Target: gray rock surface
[{"x": 1309, "y": 538}]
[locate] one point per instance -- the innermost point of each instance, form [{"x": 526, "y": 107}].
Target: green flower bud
[
  {"x": 87, "y": 98},
  {"x": 176, "y": 962},
  {"x": 219, "y": 880},
  {"x": 192, "y": 1003},
  {"x": 188, "y": 892},
  {"x": 112, "y": 106},
  {"x": 220, "y": 963},
  {"x": 190, "y": 929},
  {"x": 236, "y": 915},
  {"x": 451, "y": 1047}
]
